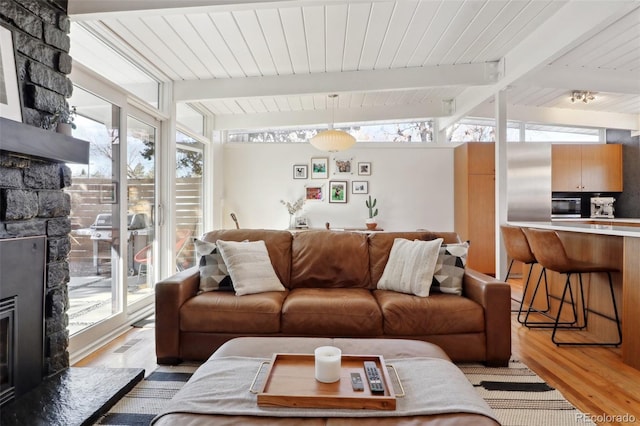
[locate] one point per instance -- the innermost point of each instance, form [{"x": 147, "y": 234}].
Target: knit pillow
[
  {"x": 452, "y": 259},
  {"x": 410, "y": 266},
  {"x": 213, "y": 272},
  {"x": 249, "y": 266}
]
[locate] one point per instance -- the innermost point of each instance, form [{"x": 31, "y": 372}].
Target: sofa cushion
[
  {"x": 410, "y": 266},
  {"x": 408, "y": 315},
  {"x": 452, "y": 259},
  {"x": 330, "y": 259},
  {"x": 249, "y": 267},
  {"x": 223, "y": 312},
  {"x": 278, "y": 245},
  {"x": 213, "y": 271},
  {"x": 331, "y": 312}
]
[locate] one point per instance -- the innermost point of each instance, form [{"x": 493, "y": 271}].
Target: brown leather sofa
[{"x": 330, "y": 279}]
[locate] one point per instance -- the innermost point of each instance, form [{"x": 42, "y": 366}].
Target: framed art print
[
  {"x": 10, "y": 105},
  {"x": 364, "y": 169},
  {"x": 300, "y": 171},
  {"x": 338, "y": 191},
  {"x": 359, "y": 187},
  {"x": 302, "y": 222},
  {"x": 319, "y": 168},
  {"x": 314, "y": 193},
  {"x": 343, "y": 166}
]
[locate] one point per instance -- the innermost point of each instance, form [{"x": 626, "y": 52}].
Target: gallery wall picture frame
[
  {"x": 10, "y": 100},
  {"x": 300, "y": 171},
  {"x": 343, "y": 166},
  {"x": 364, "y": 169},
  {"x": 314, "y": 193},
  {"x": 360, "y": 187},
  {"x": 319, "y": 168},
  {"x": 338, "y": 191},
  {"x": 302, "y": 222}
]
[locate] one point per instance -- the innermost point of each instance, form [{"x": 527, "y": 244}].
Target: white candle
[{"x": 328, "y": 364}]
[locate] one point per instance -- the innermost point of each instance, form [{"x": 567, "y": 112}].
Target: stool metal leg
[
  {"x": 615, "y": 310},
  {"x": 552, "y": 323},
  {"x": 524, "y": 292},
  {"x": 509, "y": 269},
  {"x": 584, "y": 313},
  {"x": 533, "y": 297}
]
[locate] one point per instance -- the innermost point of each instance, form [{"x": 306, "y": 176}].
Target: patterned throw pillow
[
  {"x": 213, "y": 272},
  {"x": 452, "y": 259}
]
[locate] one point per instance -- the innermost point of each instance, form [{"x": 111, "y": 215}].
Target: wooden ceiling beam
[
  {"x": 594, "y": 80},
  {"x": 303, "y": 118},
  {"x": 80, "y": 10},
  {"x": 562, "y": 116},
  {"x": 476, "y": 74}
]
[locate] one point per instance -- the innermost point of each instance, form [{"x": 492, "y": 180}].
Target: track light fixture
[{"x": 582, "y": 95}]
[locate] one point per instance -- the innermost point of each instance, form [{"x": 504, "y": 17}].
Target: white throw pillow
[
  {"x": 249, "y": 266},
  {"x": 410, "y": 266}
]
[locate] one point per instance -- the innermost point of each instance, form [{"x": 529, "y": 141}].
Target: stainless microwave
[{"x": 566, "y": 207}]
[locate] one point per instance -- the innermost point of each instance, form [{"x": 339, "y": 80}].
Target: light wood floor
[{"x": 594, "y": 379}]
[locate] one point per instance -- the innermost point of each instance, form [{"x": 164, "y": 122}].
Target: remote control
[
  {"x": 356, "y": 382},
  {"x": 373, "y": 377}
]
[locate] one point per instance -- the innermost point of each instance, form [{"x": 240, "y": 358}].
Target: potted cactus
[{"x": 373, "y": 212}]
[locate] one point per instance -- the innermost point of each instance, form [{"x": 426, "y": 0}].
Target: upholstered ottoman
[{"x": 189, "y": 406}]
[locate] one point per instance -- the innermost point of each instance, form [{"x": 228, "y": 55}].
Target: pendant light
[{"x": 332, "y": 140}]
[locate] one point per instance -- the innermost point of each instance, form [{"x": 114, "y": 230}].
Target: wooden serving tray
[{"x": 291, "y": 382}]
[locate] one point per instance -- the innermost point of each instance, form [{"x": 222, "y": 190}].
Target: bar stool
[
  {"x": 517, "y": 248},
  {"x": 550, "y": 253}
]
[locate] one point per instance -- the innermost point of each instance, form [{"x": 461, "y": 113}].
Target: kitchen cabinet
[
  {"x": 474, "y": 199},
  {"x": 586, "y": 168}
]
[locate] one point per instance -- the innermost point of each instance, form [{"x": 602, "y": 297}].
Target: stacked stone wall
[{"x": 32, "y": 200}]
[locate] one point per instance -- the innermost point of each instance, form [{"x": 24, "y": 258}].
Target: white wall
[{"x": 413, "y": 185}]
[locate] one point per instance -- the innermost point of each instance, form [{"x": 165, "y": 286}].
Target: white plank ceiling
[{"x": 273, "y": 63}]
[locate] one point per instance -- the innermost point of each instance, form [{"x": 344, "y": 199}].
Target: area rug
[
  {"x": 518, "y": 396},
  {"x": 515, "y": 393}
]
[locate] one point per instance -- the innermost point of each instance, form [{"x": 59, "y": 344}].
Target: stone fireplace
[
  {"x": 33, "y": 173},
  {"x": 34, "y": 210},
  {"x": 33, "y": 204}
]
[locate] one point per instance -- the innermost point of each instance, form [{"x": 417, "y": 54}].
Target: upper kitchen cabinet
[
  {"x": 481, "y": 158},
  {"x": 586, "y": 168},
  {"x": 474, "y": 198}
]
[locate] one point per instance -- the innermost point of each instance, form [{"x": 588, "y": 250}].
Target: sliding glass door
[
  {"x": 189, "y": 198},
  {"x": 142, "y": 208},
  {"x": 115, "y": 219},
  {"x": 94, "y": 268}
]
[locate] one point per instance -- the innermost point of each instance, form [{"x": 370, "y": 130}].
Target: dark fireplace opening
[
  {"x": 22, "y": 288},
  {"x": 7, "y": 348}
]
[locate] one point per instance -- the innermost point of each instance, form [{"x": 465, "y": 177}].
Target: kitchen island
[{"x": 610, "y": 242}]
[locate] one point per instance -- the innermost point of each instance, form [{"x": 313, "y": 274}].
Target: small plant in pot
[
  {"x": 62, "y": 120},
  {"x": 371, "y": 205}
]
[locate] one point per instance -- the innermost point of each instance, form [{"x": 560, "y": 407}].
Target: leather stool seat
[{"x": 550, "y": 253}]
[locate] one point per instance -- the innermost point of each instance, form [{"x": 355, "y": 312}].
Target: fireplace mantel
[{"x": 23, "y": 139}]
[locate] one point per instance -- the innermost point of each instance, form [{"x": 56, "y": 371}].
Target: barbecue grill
[{"x": 138, "y": 229}]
